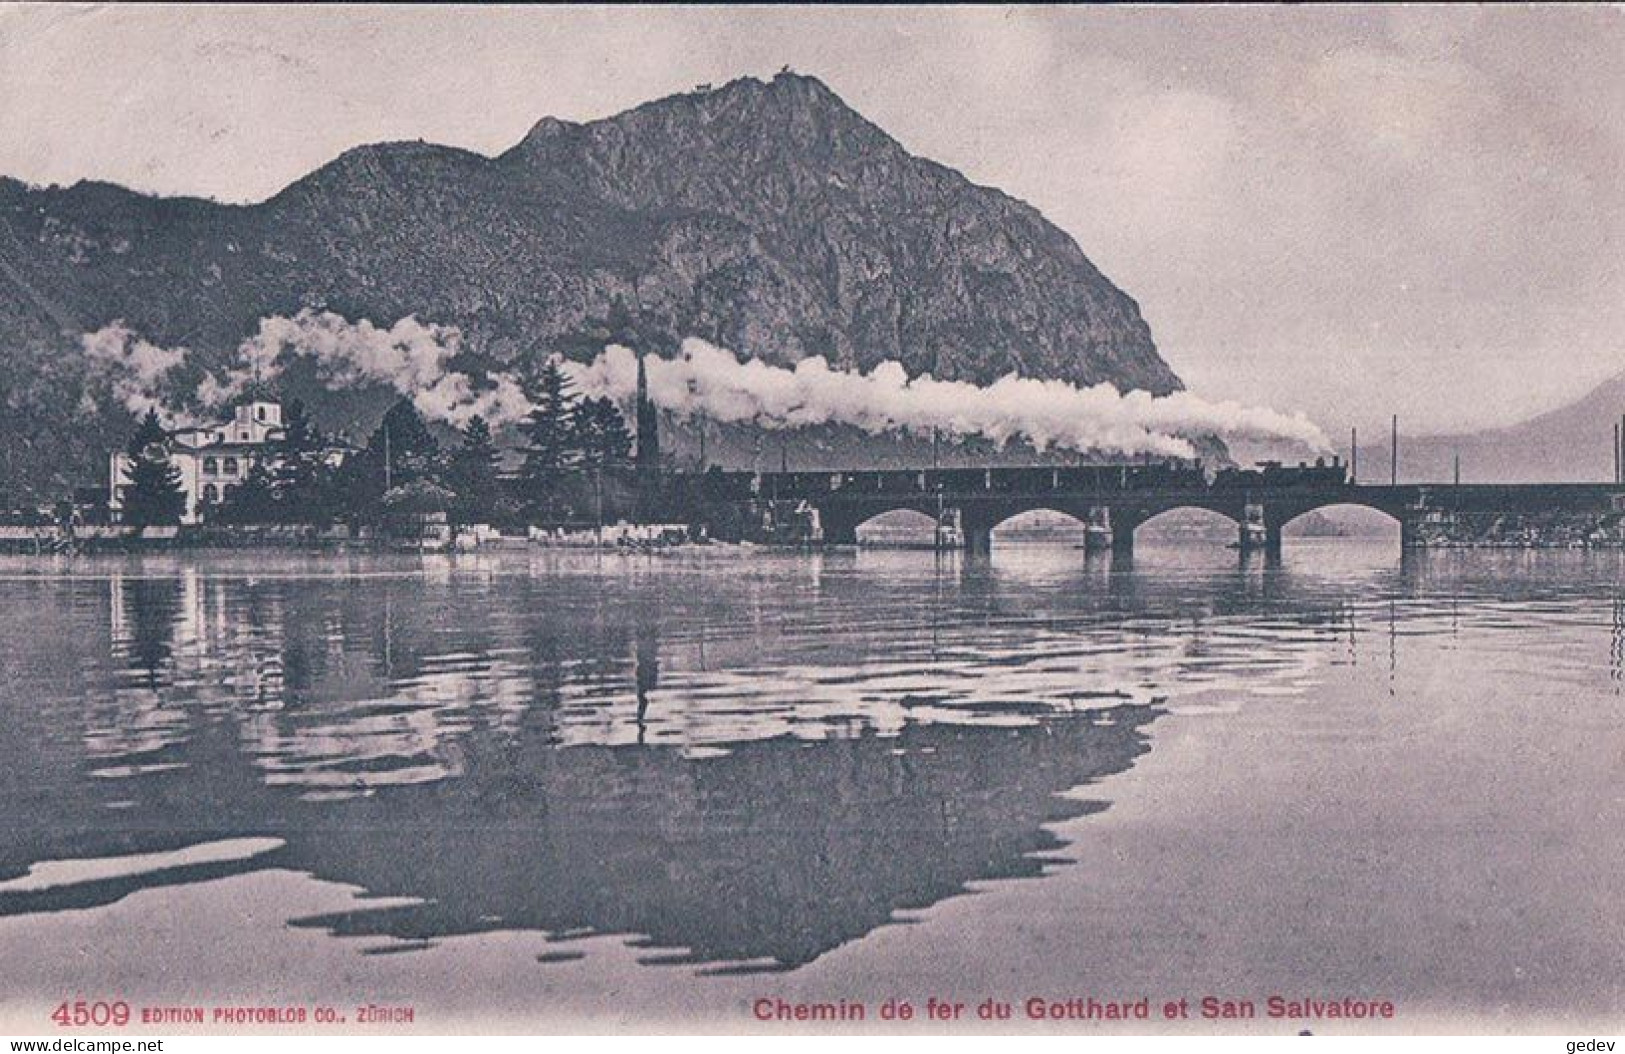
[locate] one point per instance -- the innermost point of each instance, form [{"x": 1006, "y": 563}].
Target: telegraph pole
[
  {"x": 1354, "y": 455},
  {"x": 1393, "y": 453},
  {"x": 1458, "y": 468},
  {"x": 598, "y": 504},
  {"x": 1618, "y": 469}
]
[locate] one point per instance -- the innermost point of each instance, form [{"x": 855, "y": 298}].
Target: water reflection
[
  {"x": 740, "y": 764},
  {"x": 502, "y": 753},
  {"x": 145, "y": 611},
  {"x": 771, "y": 854}
]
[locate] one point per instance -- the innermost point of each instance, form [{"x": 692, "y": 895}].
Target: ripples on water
[{"x": 739, "y": 761}]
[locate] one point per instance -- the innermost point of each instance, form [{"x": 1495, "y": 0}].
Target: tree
[
  {"x": 471, "y": 473},
  {"x": 648, "y": 452},
  {"x": 154, "y": 496},
  {"x": 601, "y": 434},
  {"x": 357, "y": 486},
  {"x": 254, "y": 500},
  {"x": 420, "y": 497},
  {"x": 301, "y": 476},
  {"x": 550, "y": 446},
  {"x": 400, "y": 450},
  {"x": 648, "y": 458},
  {"x": 405, "y": 447}
]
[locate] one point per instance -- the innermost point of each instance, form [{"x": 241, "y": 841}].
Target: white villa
[{"x": 211, "y": 459}]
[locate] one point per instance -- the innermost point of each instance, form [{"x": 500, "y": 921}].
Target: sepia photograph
[{"x": 811, "y": 520}]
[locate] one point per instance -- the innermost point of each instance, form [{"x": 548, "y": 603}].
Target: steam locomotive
[{"x": 1273, "y": 475}]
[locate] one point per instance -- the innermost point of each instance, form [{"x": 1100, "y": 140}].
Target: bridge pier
[
  {"x": 841, "y": 534},
  {"x": 1123, "y": 537},
  {"x": 1260, "y": 532},
  {"x": 1098, "y": 533},
  {"x": 949, "y": 529}
]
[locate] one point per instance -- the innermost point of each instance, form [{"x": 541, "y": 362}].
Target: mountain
[
  {"x": 767, "y": 217},
  {"x": 1571, "y": 444}
]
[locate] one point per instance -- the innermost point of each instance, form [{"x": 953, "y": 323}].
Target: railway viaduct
[{"x": 974, "y": 503}]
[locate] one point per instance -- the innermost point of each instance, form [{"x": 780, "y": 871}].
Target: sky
[{"x": 1352, "y": 211}]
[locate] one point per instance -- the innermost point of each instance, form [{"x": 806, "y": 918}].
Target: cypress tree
[
  {"x": 648, "y": 428},
  {"x": 648, "y": 453}
]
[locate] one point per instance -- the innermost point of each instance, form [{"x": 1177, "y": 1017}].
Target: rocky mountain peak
[{"x": 768, "y": 217}]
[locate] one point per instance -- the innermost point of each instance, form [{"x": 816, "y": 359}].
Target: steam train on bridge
[{"x": 717, "y": 485}]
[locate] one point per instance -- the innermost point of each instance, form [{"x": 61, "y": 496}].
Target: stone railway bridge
[{"x": 974, "y": 502}]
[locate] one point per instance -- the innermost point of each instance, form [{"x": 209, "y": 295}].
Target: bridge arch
[
  {"x": 901, "y": 526},
  {"x": 1041, "y": 521},
  {"x": 1195, "y": 521},
  {"x": 841, "y": 521},
  {"x": 1341, "y": 519}
]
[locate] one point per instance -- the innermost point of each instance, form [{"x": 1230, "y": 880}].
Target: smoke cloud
[
  {"x": 707, "y": 381},
  {"x": 411, "y": 357},
  {"x": 415, "y": 359},
  {"x": 138, "y": 369}
]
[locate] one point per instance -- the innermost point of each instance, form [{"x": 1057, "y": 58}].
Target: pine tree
[
  {"x": 550, "y": 446},
  {"x": 300, "y": 475},
  {"x": 254, "y": 500},
  {"x": 601, "y": 434},
  {"x": 472, "y": 473},
  {"x": 404, "y": 444},
  {"x": 401, "y": 450},
  {"x": 357, "y": 487},
  {"x": 154, "y": 496}
]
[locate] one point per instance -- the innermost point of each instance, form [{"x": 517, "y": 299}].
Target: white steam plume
[
  {"x": 411, "y": 357},
  {"x": 138, "y": 368},
  {"x": 707, "y": 381}
]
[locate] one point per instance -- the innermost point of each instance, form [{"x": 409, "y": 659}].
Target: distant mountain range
[
  {"x": 1570, "y": 444},
  {"x": 767, "y": 217}
]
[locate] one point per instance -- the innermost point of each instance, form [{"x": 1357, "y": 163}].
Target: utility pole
[
  {"x": 1354, "y": 455},
  {"x": 1458, "y": 468},
  {"x": 1393, "y": 453},
  {"x": 598, "y": 504},
  {"x": 1618, "y": 469}
]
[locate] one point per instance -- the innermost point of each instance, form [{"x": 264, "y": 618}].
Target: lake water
[{"x": 538, "y": 789}]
